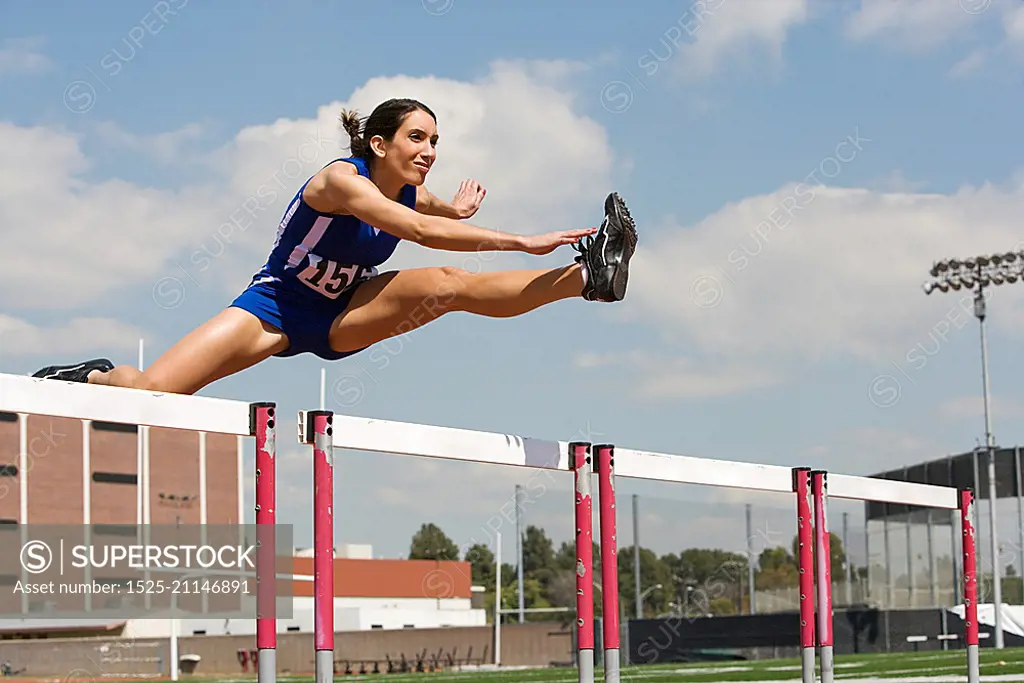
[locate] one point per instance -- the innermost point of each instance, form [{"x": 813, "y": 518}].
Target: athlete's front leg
[{"x": 398, "y": 302}]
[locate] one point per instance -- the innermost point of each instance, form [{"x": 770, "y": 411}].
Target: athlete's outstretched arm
[{"x": 352, "y": 193}]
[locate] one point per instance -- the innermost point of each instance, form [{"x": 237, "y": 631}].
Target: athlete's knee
[
  {"x": 451, "y": 277},
  {"x": 159, "y": 382},
  {"x": 150, "y": 383},
  {"x": 449, "y": 286}
]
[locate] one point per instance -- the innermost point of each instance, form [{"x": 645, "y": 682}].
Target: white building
[{"x": 369, "y": 594}]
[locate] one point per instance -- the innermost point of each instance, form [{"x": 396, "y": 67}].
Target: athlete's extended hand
[
  {"x": 545, "y": 244},
  {"x": 468, "y": 198}
]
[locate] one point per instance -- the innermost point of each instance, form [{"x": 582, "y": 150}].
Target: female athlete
[{"x": 319, "y": 291}]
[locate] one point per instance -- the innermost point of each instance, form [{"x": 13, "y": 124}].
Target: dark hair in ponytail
[{"x": 385, "y": 121}]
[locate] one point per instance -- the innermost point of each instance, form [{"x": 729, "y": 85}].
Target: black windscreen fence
[{"x": 855, "y": 630}]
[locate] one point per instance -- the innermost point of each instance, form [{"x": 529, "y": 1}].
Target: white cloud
[
  {"x": 869, "y": 450},
  {"x": 168, "y": 147},
  {"x": 660, "y": 377},
  {"x": 723, "y": 31},
  {"x": 816, "y": 273},
  {"x": 896, "y": 181},
  {"x": 1013, "y": 24},
  {"x": 97, "y": 237},
  {"x": 969, "y": 64},
  {"x": 514, "y": 129},
  {"x": 908, "y": 24},
  {"x": 77, "y": 336},
  {"x": 22, "y": 56},
  {"x": 924, "y": 25}
]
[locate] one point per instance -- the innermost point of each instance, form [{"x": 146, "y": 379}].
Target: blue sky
[{"x": 144, "y": 128}]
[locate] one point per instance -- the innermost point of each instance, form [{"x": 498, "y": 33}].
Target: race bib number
[{"x": 331, "y": 278}]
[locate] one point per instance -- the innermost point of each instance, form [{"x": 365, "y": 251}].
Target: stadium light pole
[{"x": 977, "y": 273}]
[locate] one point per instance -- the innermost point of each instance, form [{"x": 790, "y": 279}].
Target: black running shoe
[
  {"x": 79, "y": 372},
  {"x": 606, "y": 254}
]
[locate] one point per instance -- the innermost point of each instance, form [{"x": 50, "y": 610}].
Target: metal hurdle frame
[
  {"x": 609, "y": 561},
  {"x": 326, "y": 431},
  {"x": 264, "y": 428},
  {"x": 811, "y": 489},
  {"x": 31, "y": 396},
  {"x": 583, "y": 467},
  {"x": 823, "y": 574},
  {"x": 314, "y": 429}
]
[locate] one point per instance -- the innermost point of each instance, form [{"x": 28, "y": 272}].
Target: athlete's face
[{"x": 412, "y": 151}]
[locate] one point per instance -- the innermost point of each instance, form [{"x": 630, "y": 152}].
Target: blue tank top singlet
[{"x": 323, "y": 253}]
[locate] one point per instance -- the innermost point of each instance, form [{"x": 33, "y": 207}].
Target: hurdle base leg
[
  {"x": 585, "y": 662},
  {"x": 807, "y": 665},
  {"x": 324, "y": 666},
  {"x": 973, "y": 664},
  {"x": 611, "y": 666},
  {"x": 266, "y": 671},
  {"x": 828, "y": 664}
]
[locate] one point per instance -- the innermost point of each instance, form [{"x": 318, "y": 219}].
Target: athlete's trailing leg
[{"x": 230, "y": 342}]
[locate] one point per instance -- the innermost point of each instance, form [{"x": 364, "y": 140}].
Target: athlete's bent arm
[
  {"x": 430, "y": 204},
  {"x": 363, "y": 200},
  {"x": 337, "y": 189}
]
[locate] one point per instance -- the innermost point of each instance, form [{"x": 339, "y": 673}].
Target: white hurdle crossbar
[
  {"x": 448, "y": 443},
  {"x": 30, "y": 396},
  {"x": 33, "y": 396},
  {"x": 451, "y": 443}
]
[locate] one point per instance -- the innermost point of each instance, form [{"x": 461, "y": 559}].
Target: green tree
[
  {"x": 430, "y": 543},
  {"x": 532, "y": 592},
  {"x": 776, "y": 569},
  {"x": 538, "y": 561},
  {"x": 836, "y": 552},
  {"x": 775, "y": 558},
  {"x": 701, "y": 575},
  {"x": 653, "y": 572},
  {"x": 565, "y": 558},
  {"x": 538, "y": 550},
  {"x": 481, "y": 561},
  {"x": 562, "y": 590}
]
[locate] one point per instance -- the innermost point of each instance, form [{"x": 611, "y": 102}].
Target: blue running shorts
[{"x": 305, "y": 319}]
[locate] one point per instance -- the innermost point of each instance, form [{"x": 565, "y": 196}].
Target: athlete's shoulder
[
  {"x": 331, "y": 177},
  {"x": 345, "y": 166}
]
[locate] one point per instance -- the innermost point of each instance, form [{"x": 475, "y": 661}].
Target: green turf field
[{"x": 940, "y": 667}]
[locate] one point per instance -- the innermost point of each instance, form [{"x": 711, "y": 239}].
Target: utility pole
[
  {"x": 636, "y": 557},
  {"x": 519, "y": 551},
  {"x": 751, "y": 589}
]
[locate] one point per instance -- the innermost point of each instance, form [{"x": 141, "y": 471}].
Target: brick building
[
  {"x": 63, "y": 471},
  {"x": 59, "y": 471}
]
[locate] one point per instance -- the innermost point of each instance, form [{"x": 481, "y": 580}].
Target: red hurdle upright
[
  {"x": 970, "y": 584},
  {"x": 823, "y": 552},
  {"x": 263, "y": 427},
  {"x": 605, "y": 457},
  {"x": 805, "y": 567},
  {"x": 320, "y": 426},
  {"x": 582, "y": 467}
]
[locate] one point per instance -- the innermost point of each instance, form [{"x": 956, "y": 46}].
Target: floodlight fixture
[{"x": 976, "y": 272}]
